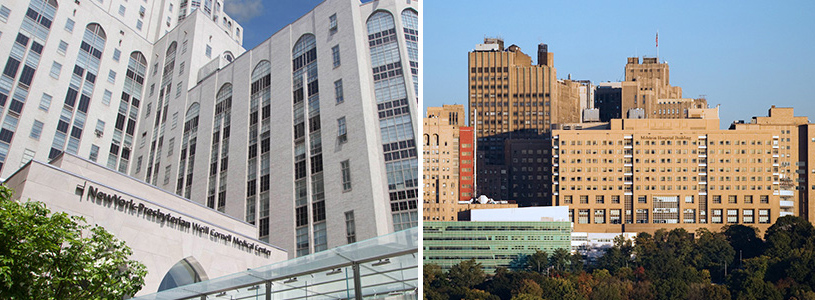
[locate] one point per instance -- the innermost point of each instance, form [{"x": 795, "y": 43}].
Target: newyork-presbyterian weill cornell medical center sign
[{"x": 148, "y": 213}]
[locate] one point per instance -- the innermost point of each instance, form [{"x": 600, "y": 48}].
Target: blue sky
[
  {"x": 744, "y": 55},
  {"x": 262, "y": 18}
]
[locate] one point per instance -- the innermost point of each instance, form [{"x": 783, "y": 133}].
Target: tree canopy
[
  {"x": 734, "y": 263},
  {"x": 46, "y": 255}
]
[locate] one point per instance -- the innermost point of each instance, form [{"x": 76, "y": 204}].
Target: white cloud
[{"x": 243, "y": 10}]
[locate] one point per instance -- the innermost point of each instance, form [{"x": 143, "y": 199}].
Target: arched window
[
  {"x": 171, "y": 49},
  {"x": 396, "y": 129},
  {"x": 259, "y": 137},
  {"x": 32, "y": 36},
  {"x": 187, "y": 271},
  {"x": 39, "y": 19},
  {"x": 127, "y": 117},
  {"x": 307, "y": 147},
  {"x": 162, "y": 108},
  {"x": 80, "y": 92},
  {"x": 380, "y": 21},
  {"x": 188, "y": 142},
  {"x": 410, "y": 24},
  {"x": 219, "y": 159},
  {"x": 192, "y": 115},
  {"x": 224, "y": 94}
]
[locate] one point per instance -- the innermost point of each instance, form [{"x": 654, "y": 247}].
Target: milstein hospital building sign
[{"x": 134, "y": 208}]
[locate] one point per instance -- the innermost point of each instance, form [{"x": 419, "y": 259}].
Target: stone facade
[
  {"x": 161, "y": 228},
  {"x": 178, "y": 103},
  {"x": 645, "y": 174}
]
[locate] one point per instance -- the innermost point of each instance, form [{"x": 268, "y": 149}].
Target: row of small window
[
  {"x": 489, "y": 69},
  {"x": 716, "y": 199},
  {"x": 514, "y": 104},
  {"x": 515, "y": 122},
  {"x": 666, "y": 178},
  {"x": 56, "y": 70},
  {"x": 485, "y": 78},
  {"x": 688, "y": 216},
  {"x": 666, "y": 187},
  {"x": 669, "y": 111}
]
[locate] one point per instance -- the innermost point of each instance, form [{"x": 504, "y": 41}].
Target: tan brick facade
[
  {"x": 440, "y": 175},
  {"x": 512, "y": 105},
  {"x": 647, "y": 87},
  {"x": 646, "y": 174}
]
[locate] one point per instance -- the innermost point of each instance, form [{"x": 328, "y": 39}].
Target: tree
[
  {"x": 559, "y": 288},
  {"x": 701, "y": 291},
  {"x": 479, "y": 294},
  {"x": 505, "y": 283},
  {"x": 467, "y": 273},
  {"x": 538, "y": 261},
  {"x": 745, "y": 241},
  {"x": 434, "y": 282},
  {"x": 618, "y": 256},
  {"x": 749, "y": 283},
  {"x": 560, "y": 259},
  {"x": 716, "y": 292},
  {"x": 576, "y": 263},
  {"x": 57, "y": 256},
  {"x": 609, "y": 287},
  {"x": 788, "y": 233},
  {"x": 712, "y": 253},
  {"x": 519, "y": 262},
  {"x": 530, "y": 289},
  {"x": 791, "y": 249}
]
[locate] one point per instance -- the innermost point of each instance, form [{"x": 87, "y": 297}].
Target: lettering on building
[{"x": 139, "y": 209}]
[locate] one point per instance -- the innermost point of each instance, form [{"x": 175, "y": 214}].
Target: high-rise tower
[{"x": 513, "y": 104}]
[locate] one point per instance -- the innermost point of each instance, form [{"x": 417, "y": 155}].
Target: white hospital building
[{"x": 309, "y": 137}]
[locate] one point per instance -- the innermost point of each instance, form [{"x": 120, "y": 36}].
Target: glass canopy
[{"x": 377, "y": 268}]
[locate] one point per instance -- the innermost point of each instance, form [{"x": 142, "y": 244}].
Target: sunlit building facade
[
  {"x": 644, "y": 174},
  {"x": 310, "y": 136}
]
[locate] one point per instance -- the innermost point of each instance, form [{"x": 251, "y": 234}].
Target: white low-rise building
[{"x": 179, "y": 242}]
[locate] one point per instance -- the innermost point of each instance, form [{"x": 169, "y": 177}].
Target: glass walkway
[{"x": 384, "y": 267}]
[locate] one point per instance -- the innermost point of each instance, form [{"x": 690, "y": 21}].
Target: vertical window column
[
  {"x": 219, "y": 159},
  {"x": 396, "y": 126},
  {"x": 34, "y": 32},
  {"x": 307, "y": 148},
  {"x": 259, "y": 137},
  {"x": 80, "y": 90}
]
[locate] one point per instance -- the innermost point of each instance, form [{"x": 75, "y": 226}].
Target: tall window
[
  {"x": 160, "y": 120},
  {"x": 396, "y": 126},
  {"x": 350, "y": 227},
  {"x": 308, "y": 160},
  {"x": 128, "y": 115},
  {"x": 188, "y": 143},
  {"x": 332, "y": 24},
  {"x": 36, "y": 130},
  {"x": 342, "y": 131},
  {"x": 77, "y": 99},
  {"x": 335, "y": 55},
  {"x": 259, "y": 160},
  {"x": 346, "y": 175},
  {"x": 219, "y": 159},
  {"x": 338, "y": 91},
  {"x": 34, "y": 33},
  {"x": 410, "y": 20}
]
